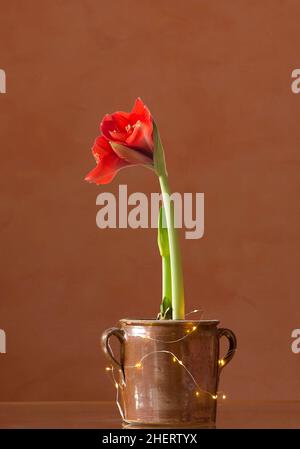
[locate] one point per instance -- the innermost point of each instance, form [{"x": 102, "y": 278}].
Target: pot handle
[
  {"x": 119, "y": 333},
  {"x": 224, "y": 332}
]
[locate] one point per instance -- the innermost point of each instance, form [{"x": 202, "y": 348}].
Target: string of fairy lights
[{"x": 139, "y": 365}]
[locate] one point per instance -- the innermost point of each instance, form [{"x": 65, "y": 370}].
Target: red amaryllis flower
[
  {"x": 126, "y": 140},
  {"x": 132, "y": 138}
]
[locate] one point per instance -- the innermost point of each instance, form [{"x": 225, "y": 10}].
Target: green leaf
[
  {"x": 162, "y": 234},
  {"x": 165, "y": 310},
  {"x": 163, "y": 245}
]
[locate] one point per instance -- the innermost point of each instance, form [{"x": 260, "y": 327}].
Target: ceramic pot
[{"x": 168, "y": 370}]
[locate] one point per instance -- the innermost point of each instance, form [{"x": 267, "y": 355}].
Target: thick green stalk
[{"x": 175, "y": 257}]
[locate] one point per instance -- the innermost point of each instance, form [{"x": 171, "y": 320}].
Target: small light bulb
[
  {"x": 194, "y": 328},
  {"x": 108, "y": 368},
  {"x": 138, "y": 365},
  {"x": 180, "y": 362},
  {"x": 188, "y": 331},
  {"x": 224, "y": 396},
  {"x": 214, "y": 396},
  {"x": 221, "y": 362},
  {"x": 174, "y": 359},
  {"x": 197, "y": 393},
  {"x": 116, "y": 385}
]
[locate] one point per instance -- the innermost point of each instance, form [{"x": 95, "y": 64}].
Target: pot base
[{"x": 127, "y": 424}]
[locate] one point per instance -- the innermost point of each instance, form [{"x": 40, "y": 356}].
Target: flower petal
[
  {"x": 106, "y": 169},
  {"x": 140, "y": 112},
  {"x": 107, "y": 126},
  {"x": 101, "y": 146},
  {"x": 141, "y": 138},
  {"x": 138, "y": 107},
  {"x": 121, "y": 120},
  {"x": 114, "y": 125}
]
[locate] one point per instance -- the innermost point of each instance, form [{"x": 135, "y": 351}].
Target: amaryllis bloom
[{"x": 126, "y": 140}]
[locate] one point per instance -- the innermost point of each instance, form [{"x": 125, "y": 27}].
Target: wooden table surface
[{"x": 99, "y": 415}]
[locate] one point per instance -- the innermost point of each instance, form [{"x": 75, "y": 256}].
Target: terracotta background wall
[{"x": 216, "y": 75}]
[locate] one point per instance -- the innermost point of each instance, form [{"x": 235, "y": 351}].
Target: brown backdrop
[{"x": 217, "y": 77}]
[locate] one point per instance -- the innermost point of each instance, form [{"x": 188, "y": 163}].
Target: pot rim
[{"x": 149, "y": 322}]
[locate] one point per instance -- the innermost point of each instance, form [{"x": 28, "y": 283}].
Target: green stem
[{"x": 175, "y": 257}]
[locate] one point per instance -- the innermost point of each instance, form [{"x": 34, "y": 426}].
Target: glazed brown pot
[{"x": 168, "y": 370}]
